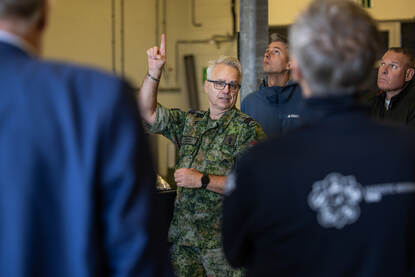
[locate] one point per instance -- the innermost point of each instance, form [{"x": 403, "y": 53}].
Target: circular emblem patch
[{"x": 336, "y": 200}]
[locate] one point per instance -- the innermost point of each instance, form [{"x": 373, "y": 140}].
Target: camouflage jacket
[{"x": 211, "y": 147}]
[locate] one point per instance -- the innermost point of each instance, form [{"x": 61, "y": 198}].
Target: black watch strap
[{"x": 205, "y": 181}]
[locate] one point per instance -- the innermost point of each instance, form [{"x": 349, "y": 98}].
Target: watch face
[{"x": 205, "y": 180}]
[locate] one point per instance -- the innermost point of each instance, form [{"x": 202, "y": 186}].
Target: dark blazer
[
  {"x": 76, "y": 182},
  {"x": 335, "y": 197}
]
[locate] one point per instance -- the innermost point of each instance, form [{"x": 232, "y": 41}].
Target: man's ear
[
  {"x": 295, "y": 70},
  {"x": 297, "y": 76},
  {"x": 409, "y": 74},
  {"x": 44, "y": 17},
  {"x": 289, "y": 66},
  {"x": 205, "y": 86}
]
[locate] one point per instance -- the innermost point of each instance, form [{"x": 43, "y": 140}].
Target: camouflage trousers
[{"x": 196, "y": 262}]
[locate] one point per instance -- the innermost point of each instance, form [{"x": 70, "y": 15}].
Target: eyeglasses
[{"x": 221, "y": 85}]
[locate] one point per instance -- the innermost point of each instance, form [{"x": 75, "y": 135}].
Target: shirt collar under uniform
[
  {"x": 225, "y": 119},
  {"x": 14, "y": 40}
]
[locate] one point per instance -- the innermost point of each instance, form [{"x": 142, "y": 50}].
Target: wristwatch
[{"x": 204, "y": 180}]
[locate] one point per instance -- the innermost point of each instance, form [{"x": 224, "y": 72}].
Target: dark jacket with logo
[
  {"x": 401, "y": 107},
  {"x": 328, "y": 199},
  {"x": 276, "y": 108}
]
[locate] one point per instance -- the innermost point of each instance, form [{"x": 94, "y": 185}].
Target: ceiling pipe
[{"x": 194, "y": 15}]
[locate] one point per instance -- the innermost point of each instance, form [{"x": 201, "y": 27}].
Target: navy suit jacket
[{"x": 76, "y": 181}]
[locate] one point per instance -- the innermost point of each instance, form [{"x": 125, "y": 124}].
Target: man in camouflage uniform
[{"x": 209, "y": 143}]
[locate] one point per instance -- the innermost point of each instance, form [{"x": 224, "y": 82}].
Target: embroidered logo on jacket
[{"x": 336, "y": 198}]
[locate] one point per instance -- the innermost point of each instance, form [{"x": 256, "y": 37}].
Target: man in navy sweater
[{"x": 277, "y": 103}]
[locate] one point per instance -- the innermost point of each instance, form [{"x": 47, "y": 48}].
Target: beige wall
[
  {"x": 393, "y": 10},
  {"x": 283, "y": 12},
  {"x": 79, "y": 31}
]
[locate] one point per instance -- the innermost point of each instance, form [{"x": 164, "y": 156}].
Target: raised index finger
[{"x": 163, "y": 45}]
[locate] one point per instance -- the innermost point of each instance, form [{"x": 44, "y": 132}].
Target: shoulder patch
[
  {"x": 246, "y": 119},
  {"x": 196, "y": 113},
  {"x": 249, "y": 121}
]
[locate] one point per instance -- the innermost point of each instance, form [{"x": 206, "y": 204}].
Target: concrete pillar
[{"x": 253, "y": 40}]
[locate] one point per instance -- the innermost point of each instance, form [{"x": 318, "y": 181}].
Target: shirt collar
[
  {"x": 225, "y": 119},
  {"x": 401, "y": 94},
  {"x": 14, "y": 40},
  {"x": 278, "y": 94}
]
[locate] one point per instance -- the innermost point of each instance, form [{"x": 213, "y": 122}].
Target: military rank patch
[
  {"x": 249, "y": 121},
  {"x": 230, "y": 140},
  {"x": 189, "y": 140},
  {"x": 197, "y": 113}
]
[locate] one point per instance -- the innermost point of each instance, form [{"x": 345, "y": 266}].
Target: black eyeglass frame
[{"x": 220, "y": 85}]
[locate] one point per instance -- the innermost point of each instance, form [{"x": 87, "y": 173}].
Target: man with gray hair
[
  {"x": 327, "y": 201},
  {"x": 77, "y": 189},
  {"x": 208, "y": 143},
  {"x": 277, "y": 103}
]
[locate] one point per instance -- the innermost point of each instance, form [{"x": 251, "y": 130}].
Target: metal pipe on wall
[
  {"x": 113, "y": 49},
  {"x": 191, "y": 83},
  {"x": 156, "y": 17},
  {"x": 253, "y": 42},
  {"x": 122, "y": 36},
  {"x": 194, "y": 23}
]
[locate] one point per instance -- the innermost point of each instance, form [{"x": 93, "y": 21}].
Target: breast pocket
[
  {"x": 220, "y": 160},
  {"x": 187, "y": 150},
  {"x": 289, "y": 121}
]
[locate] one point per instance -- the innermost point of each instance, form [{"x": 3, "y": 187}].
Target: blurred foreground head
[
  {"x": 25, "y": 19},
  {"x": 334, "y": 44},
  {"x": 30, "y": 11}
]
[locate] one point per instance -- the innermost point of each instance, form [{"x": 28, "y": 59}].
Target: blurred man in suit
[
  {"x": 76, "y": 187},
  {"x": 330, "y": 198}
]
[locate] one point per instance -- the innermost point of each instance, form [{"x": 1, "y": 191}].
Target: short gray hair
[
  {"x": 336, "y": 44},
  {"x": 227, "y": 60},
  {"x": 407, "y": 53},
  {"x": 28, "y": 10},
  {"x": 276, "y": 37}
]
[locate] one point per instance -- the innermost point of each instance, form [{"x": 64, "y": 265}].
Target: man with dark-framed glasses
[
  {"x": 220, "y": 85},
  {"x": 208, "y": 143}
]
